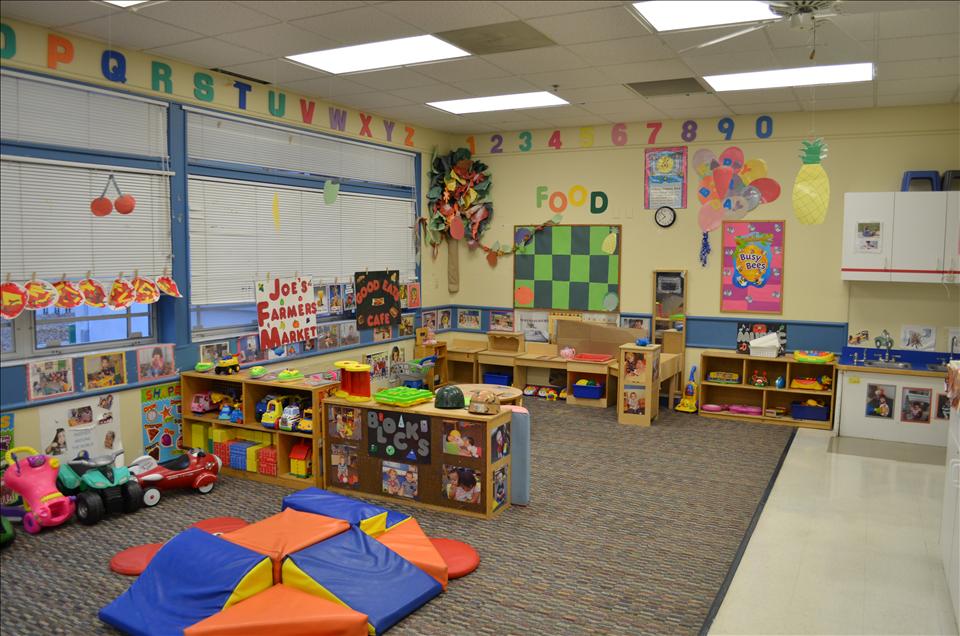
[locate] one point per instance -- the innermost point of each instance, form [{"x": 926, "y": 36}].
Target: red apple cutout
[
  {"x": 101, "y": 206},
  {"x": 125, "y": 203}
]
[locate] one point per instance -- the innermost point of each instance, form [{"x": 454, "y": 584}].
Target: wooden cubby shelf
[{"x": 768, "y": 397}]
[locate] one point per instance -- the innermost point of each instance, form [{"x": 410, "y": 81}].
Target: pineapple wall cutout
[{"x": 811, "y": 190}]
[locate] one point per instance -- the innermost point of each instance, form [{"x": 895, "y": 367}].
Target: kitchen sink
[
  {"x": 887, "y": 364},
  {"x": 939, "y": 368}
]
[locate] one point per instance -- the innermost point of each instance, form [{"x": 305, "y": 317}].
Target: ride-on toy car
[
  {"x": 194, "y": 469},
  {"x": 227, "y": 365},
  {"x": 33, "y": 476},
  {"x": 100, "y": 487}
]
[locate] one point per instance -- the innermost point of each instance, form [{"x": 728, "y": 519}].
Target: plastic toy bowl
[
  {"x": 203, "y": 367},
  {"x": 744, "y": 409},
  {"x": 258, "y": 371},
  {"x": 712, "y": 408},
  {"x": 289, "y": 375}
]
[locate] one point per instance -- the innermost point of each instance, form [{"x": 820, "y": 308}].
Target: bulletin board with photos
[{"x": 449, "y": 460}]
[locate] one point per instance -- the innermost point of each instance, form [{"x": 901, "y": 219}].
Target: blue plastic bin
[
  {"x": 497, "y": 378},
  {"x": 588, "y": 392},
  {"x": 800, "y": 411}
]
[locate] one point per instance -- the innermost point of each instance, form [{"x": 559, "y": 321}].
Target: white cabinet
[
  {"x": 901, "y": 236},
  {"x": 950, "y": 520},
  {"x": 867, "y": 235}
]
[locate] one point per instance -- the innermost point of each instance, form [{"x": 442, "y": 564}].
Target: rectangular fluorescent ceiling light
[
  {"x": 785, "y": 77},
  {"x": 664, "y": 15},
  {"x": 516, "y": 101},
  {"x": 123, "y": 4},
  {"x": 387, "y": 54}
]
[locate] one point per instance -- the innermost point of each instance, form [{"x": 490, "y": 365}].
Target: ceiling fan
[{"x": 798, "y": 14}]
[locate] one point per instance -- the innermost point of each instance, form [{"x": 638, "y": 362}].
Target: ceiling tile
[
  {"x": 636, "y": 105},
  {"x": 391, "y": 79},
  {"x": 639, "y": 49},
  {"x": 462, "y": 69},
  {"x": 56, "y": 13},
  {"x": 273, "y": 71},
  {"x": 295, "y": 9},
  {"x": 919, "y": 48},
  {"x": 541, "y": 8},
  {"x": 702, "y": 111},
  {"x": 836, "y": 91},
  {"x": 208, "y": 52},
  {"x": 580, "y": 119},
  {"x": 634, "y": 115},
  {"x": 415, "y": 113},
  {"x": 919, "y": 22},
  {"x": 753, "y": 41},
  {"x": 743, "y": 61},
  {"x": 358, "y": 26},
  {"x": 856, "y": 27},
  {"x": 593, "y": 94},
  {"x": 207, "y": 16},
  {"x": 496, "y": 86},
  {"x": 328, "y": 86},
  {"x": 467, "y": 127},
  {"x": 374, "y": 101},
  {"x": 669, "y": 102},
  {"x": 765, "y": 109},
  {"x": 646, "y": 71},
  {"x": 434, "y": 17},
  {"x": 132, "y": 31},
  {"x": 914, "y": 99},
  {"x": 918, "y": 68},
  {"x": 946, "y": 84},
  {"x": 839, "y": 104},
  {"x": 590, "y": 26},
  {"x": 768, "y": 96},
  {"x": 523, "y": 117},
  {"x": 840, "y": 52},
  {"x": 549, "y": 58},
  {"x": 579, "y": 78},
  {"x": 279, "y": 40},
  {"x": 432, "y": 93}
]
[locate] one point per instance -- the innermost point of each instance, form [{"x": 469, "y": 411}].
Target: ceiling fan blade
[{"x": 729, "y": 36}]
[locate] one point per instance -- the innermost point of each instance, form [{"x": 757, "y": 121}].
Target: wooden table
[
  {"x": 507, "y": 394},
  {"x": 462, "y": 360}
]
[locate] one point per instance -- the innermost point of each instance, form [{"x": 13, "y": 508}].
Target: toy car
[
  {"x": 228, "y": 365},
  {"x": 261, "y": 407},
  {"x": 306, "y": 422},
  {"x": 33, "y": 476},
  {"x": 194, "y": 469},
  {"x": 100, "y": 487},
  {"x": 290, "y": 418},
  {"x": 273, "y": 412},
  {"x": 201, "y": 403}
]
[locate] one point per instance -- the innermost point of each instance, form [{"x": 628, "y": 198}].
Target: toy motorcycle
[
  {"x": 33, "y": 476},
  {"x": 194, "y": 469},
  {"x": 100, "y": 487}
]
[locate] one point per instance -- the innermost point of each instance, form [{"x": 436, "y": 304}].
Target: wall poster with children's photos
[
  {"x": 104, "y": 370},
  {"x": 344, "y": 422},
  {"x": 461, "y": 484},
  {"x": 445, "y": 318},
  {"x": 328, "y": 336},
  {"x": 413, "y": 295},
  {"x": 382, "y": 333},
  {"x": 49, "y": 378},
  {"x": 87, "y": 424},
  {"x": 634, "y": 399},
  {"x": 213, "y": 351},
  {"x": 400, "y": 480},
  {"x": 155, "y": 362},
  {"x": 500, "y": 442},
  {"x": 915, "y": 405},
  {"x": 348, "y": 333},
  {"x": 428, "y": 319},
  {"x": 407, "y": 324},
  {"x": 942, "y": 411},
  {"x": 501, "y": 320},
  {"x": 395, "y": 435},
  {"x": 881, "y": 401},
  {"x": 500, "y": 486},
  {"x": 535, "y": 325},
  {"x": 463, "y": 439},
  {"x": 248, "y": 349},
  {"x": 468, "y": 319},
  {"x": 345, "y": 466},
  {"x": 379, "y": 364}
]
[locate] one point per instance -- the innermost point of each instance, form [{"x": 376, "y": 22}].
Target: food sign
[
  {"x": 286, "y": 311},
  {"x": 378, "y": 298}
]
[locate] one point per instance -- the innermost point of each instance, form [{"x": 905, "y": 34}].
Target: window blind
[
  {"x": 48, "y": 227},
  {"x": 46, "y": 112},
  {"x": 234, "y": 240},
  {"x": 224, "y": 139}
]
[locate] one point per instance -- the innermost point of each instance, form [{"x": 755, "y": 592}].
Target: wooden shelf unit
[
  {"x": 373, "y": 444},
  {"x": 765, "y": 397},
  {"x": 462, "y": 364},
  {"x": 250, "y": 392},
  {"x": 669, "y": 298},
  {"x": 599, "y": 372},
  {"x": 421, "y": 349}
]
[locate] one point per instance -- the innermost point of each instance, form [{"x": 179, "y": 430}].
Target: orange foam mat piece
[
  {"x": 408, "y": 540},
  {"x": 284, "y": 533},
  {"x": 133, "y": 561},
  {"x": 283, "y": 611}
]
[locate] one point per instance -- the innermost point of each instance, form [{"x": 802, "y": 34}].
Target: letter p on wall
[{"x": 59, "y": 50}]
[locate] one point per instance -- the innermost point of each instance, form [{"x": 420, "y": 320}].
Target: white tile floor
[{"x": 845, "y": 545}]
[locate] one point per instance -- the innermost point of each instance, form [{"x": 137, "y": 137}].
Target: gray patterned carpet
[{"x": 631, "y": 531}]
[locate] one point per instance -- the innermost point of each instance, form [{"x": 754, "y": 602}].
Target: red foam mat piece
[
  {"x": 133, "y": 561},
  {"x": 461, "y": 558}
]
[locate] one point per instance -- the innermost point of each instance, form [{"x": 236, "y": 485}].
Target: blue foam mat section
[{"x": 324, "y": 502}]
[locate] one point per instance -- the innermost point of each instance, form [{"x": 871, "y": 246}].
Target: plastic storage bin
[
  {"x": 502, "y": 379},
  {"x": 588, "y": 392},
  {"x": 800, "y": 411}
]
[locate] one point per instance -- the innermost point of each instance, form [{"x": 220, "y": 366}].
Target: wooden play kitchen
[
  {"x": 273, "y": 456},
  {"x": 497, "y": 363},
  {"x": 749, "y": 383},
  {"x": 442, "y": 459}
]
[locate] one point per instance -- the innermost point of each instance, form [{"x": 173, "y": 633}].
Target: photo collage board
[
  {"x": 907, "y": 405},
  {"x": 449, "y": 462}
]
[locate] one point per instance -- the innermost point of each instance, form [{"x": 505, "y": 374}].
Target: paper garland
[
  {"x": 13, "y": 299},
  {"x": 121, "y": 293},
  {"x": 145, "y": 291},
  {"x": 40, "y": 294},
  {"x": 69, "y": 293}
]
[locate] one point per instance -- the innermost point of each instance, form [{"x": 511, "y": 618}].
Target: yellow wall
[{"x": 868, "y": 151}]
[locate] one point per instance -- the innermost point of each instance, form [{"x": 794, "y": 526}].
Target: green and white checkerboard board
[{"x": 573, "y": 267}]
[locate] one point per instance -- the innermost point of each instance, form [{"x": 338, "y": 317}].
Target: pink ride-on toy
[{"x": 34, "y": 478}]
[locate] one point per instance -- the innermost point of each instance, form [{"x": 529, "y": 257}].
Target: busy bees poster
[
  {"x": 752, "y": 268},
  {"x": 378, "y": 298}
]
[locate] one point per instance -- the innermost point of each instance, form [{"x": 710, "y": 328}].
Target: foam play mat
[{"x": 325, "y": 564}]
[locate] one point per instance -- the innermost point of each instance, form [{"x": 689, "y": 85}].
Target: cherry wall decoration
[{"x": 123, "y": 204}]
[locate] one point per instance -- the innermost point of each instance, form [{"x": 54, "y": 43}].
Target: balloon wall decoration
[{"x": 730, "y": 187}]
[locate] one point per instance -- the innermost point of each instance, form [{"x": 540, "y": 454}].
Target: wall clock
[{"x": 665, "y": 216}]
